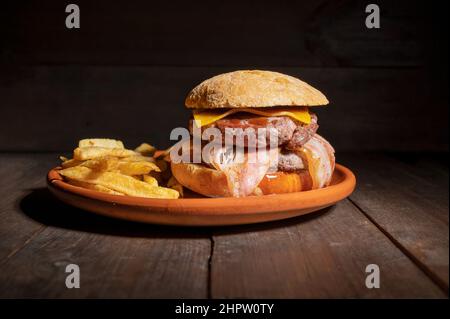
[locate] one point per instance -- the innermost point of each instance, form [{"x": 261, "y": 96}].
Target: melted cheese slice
[{"x": 203, "y": 117}]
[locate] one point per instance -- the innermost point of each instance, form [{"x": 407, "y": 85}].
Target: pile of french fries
[{"x": 105, "y": 165}]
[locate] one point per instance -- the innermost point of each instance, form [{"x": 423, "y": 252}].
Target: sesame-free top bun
[{"x": 253, "y": 88}]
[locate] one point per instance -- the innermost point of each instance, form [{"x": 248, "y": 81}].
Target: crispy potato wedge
[
  {"x": 174, "y": 184},
  {"x": 150, "y": 180},
  {"x": 138, "y": 158},
  {"x": 101, "y": 142},
  {"x": 179, "y": 189},
  {"x": 118, "y": 182},
  {"x": 121, "y": 165},
  {"x": 156, "y": 175},
  {"x": 95, "y": 187},
  {"x": 107, "y": 163},
  {"x": 71, "y": 163},
  {"x": 145, "y": 149},
  {"x": 85, "y": 153},
  {"x": 137, "y": 168}
]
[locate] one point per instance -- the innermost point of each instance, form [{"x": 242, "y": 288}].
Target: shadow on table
[{"x": 41, "y": 206}]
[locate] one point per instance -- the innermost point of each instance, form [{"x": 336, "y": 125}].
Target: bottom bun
[{"x": 213, "y": 183}]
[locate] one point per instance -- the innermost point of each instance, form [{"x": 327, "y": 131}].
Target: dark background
[{"x": 126, "y": 72}]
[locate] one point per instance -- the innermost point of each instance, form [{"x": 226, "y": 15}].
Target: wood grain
[
  {"x": 19, "y": 175},
  {"x": 409, "y": 204},
  {"x": 130, "y": 262},
  {"x": 322, "y": 256},
  {"x": 39, "y": 236},
  {"x": 370, "y": 109},
  {"x": 403, "y": 229}
]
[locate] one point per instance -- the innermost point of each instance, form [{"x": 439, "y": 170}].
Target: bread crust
[
  {"x": 213, "y": 183},
  {"x": 201, "y": 179},
  {"x": 253, "y": 88}
]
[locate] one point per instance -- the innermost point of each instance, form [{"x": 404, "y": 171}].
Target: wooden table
[{"x": 397, "y": 218}]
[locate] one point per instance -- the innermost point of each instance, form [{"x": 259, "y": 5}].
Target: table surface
[{"x": 397, "y": 218}]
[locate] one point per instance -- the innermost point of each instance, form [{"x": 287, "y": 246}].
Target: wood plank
[
  {"x": 146, "y": 103},
  {"x": 289, "y": 33},
  {"x": 432, "y": 167},
  {"x": 318, "y": 256},
  {"x": 144, "y": 263},
  {"x": 328, "y": 251},
  {"x": 117, "y": 259},
  {"x": 19, "y": 174},
  {"x": 411, "y": 208}
]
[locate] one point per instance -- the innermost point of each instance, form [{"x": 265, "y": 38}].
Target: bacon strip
[
  {"x": 243, "y": 172},
  {"x": 320, "y": 158}
]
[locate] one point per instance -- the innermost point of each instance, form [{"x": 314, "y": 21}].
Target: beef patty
[{"x": 290, "y": 133}]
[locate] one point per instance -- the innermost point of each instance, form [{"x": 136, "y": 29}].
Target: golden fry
[
  {"x": 101, "y": 142},
  {"x": 106, "y": 163},
  {"x": 137, "y": 168},
  {"x": 118, "y": 182},
  {"x": 150, "y": 180},
  {"x": 138, "y": 158},
  {"x": 71, "y": 163},
  {"x": 174, "y": 184},
  {"x": 156, "y": 175},
  {"x": 179, "y": 189},
  {"x": 95, "y": 187},
  {"x": 85, "y": 153},
  {"x": 145, "y": 149}
]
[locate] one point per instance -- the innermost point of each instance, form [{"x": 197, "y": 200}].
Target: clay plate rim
[{"x": 343, "y": 184}]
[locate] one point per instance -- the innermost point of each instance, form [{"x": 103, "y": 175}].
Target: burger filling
[
  {"x": 299, "y": 148},
  {"x": 290, "y": 133}
]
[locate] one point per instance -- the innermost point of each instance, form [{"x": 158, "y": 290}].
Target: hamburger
[{"x": 298, "y": 159}]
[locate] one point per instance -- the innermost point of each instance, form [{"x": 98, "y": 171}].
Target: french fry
[
  {"x": 121, "y": 165},
  {"x": 118, "y": 182},
  {"x": 156, "y": 175},
  {"x": 145, "y": 149},
  {"x": 107, "y": 163},
  {"x": 101, "y": 142},
  {"x": 71, "y": 163},
  {"x": 150, "y": 180},
  {"x": 91, "y": 152},
  {"x": 95, "y": 187},
  {"x": 179, "y": 189},
  {"x": 138, "y": 158},
  {"x": 174, "y": 184},
  {"x": 137, "y": 168}
]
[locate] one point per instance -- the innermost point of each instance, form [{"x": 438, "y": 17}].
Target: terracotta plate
[{"x": 205, "y": 211}]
